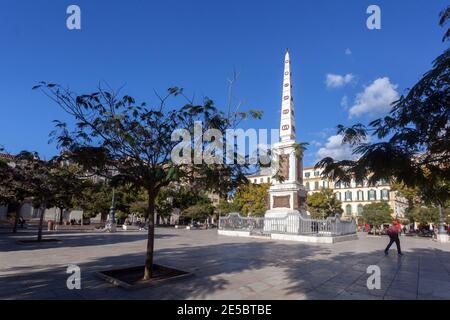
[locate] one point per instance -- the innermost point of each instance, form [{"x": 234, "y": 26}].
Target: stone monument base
[{"x": 282, "y": 220}]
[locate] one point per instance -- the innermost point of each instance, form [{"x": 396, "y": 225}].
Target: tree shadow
[
  {"x": 11, "y": 241},
  {"x": 250, "y": 269}
]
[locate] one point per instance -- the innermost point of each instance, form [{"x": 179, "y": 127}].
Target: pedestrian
[
  {"x": 393, "y": 236},
  {"x": 21, "y": 222}
]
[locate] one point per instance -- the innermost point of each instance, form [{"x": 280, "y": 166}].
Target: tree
[
  {"x": 68, "y": 184},
  {"x": 96, "y": 198},
  {"x": 377, "y": 213},
  {"x": 113, "y": 133},
  {"x": 251, "y": 199},
  {"x": 200, "y": 211},
  {"x": 13, "y": 191},
  {"x": 324, "y": 204},
  {"x": 43, "y": 182},
  {"x": 425, "y": 215},
  {"x": 411, "y": 144},
  {"x": 225, "y": 207},
  {"x": 28, "y": 177}
]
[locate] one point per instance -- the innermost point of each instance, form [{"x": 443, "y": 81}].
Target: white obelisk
[{"x": 289, "y": 195}]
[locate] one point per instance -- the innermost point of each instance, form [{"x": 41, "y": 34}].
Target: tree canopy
[
  {"x": 324, "y": 204},
  {"x": 251, "y": 199},
  {"x": 377, "y": 213}
]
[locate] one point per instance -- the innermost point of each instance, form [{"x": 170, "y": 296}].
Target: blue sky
[{"x": 153, "y": 45}]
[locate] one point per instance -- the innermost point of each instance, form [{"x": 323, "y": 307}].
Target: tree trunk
[
  {"x": 151, "y": 236},
  {"x": 16, "y": 218},
  {"x": 61, "y": 216},
  {"x": 41, "y": 220}
]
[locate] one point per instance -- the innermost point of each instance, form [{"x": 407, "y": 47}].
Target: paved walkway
[{"x": 225, "y": 267}]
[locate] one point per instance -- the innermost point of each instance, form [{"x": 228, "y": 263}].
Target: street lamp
[
  {"x": 442, "y": 234},
  {"x": 111, "y": 223}
]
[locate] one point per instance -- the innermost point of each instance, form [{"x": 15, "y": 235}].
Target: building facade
[{"x": 354, "y": 196}]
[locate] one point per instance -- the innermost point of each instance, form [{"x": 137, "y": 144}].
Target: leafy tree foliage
[
  {"x": 14, "y": 189},
  {"x": 68, "y": 184},
  {"x": 425, "y": 215},
  {"x": 251, "y": 199},
  {"x": 225, "y": 207},
  {"x": 96, "y": 198},
  {"x": 324, "y": 204},
  {"x": 377, "y": 213},
  {"x": 201, "y": 211}
]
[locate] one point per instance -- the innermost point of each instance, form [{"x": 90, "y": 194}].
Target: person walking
[{"x": 393, "y": 236}]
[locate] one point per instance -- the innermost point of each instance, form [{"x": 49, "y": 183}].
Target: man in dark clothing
[
  {"x": 393, "y": 236},
  {"x": 21, "y": 221}
]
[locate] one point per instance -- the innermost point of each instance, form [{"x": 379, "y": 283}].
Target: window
[
  {"x": 338, "y": 195},
  {"x": 316, "y": 185},
  {"x": 261, "y": 180},
  {"x": 346, "y": 184},
  {"x": 371, "y": 195},
  {"x": 348, "y": 196},
  {"x": 360, "y": 209},
  {"x": 316, "y": 173},
  {"x": 307, "y": 174},
  {"x": 385, "y": 194},
  {"x": 325, "y": 184},
  {"x": 255, "y": 181},
  {"x": 360, "y": 195},
  {"x": 359, "y": 183},
  {"x": 268, "y": 179},
  {"x": 384, "y": 181},
  {"x": 348, "y": 210},
  {"x": 307, "y": 186},
  {"x": 337, "y": 185}
]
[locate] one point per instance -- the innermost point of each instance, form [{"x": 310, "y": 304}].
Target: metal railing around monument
[{"x": 293, "y": 223}]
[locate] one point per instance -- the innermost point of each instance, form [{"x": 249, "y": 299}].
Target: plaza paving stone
[{"x": 224, "y": 267}]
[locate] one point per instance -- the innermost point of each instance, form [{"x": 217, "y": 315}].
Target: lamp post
[
  {"x": 111, "y": 224},
  {"x": 442, "y": 234}
]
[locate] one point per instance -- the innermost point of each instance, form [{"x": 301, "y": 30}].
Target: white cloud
[
  {"x": 348, "y": 51},
  {"x": 344, "y": 102},
  {"x": 315, "y": 143},
  {"x": 336, "y": 80},
  {"x": 335, "y": 149},
  {"x": 376, "y": 99}
]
